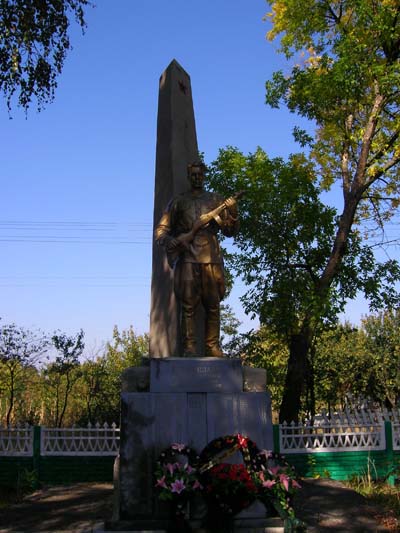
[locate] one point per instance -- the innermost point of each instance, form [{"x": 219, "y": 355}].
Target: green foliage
[
  {"x": 33, "y": 47},
  {"x": 363, "y": 362},
  {"x": 382, "y": 344},
  {"x": 384, "y": 497},
  {"x": 27, "y": 482},
  {"x": 348, "y": 363},
  {"x": 312, "y": 466},
  {"x": 127, "y": 349},
  {"x": 20, "y": 349},
  {"x": 284, "y": 235},
  {"x": 285, "y": 241},
  {"x": 341, "y": 367},
  {"x": 96, "y": 401},
  {"x": 230, "y": 338},
  {"x": 265, "y": 349},
  {"x": 64, "y": 390},
  {"x": 62, "y": 374},
  {"x": 300, "y": 261},
  {"x": 345, "y": 79}
]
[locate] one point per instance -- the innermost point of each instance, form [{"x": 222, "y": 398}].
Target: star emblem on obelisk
[{"x": 182, "y": 87}]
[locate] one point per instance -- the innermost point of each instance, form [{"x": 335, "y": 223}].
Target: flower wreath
[
  {"x": 265, "y": 475},
  {"x": 227, "y": 488},
  {"x": 176, "y": 479}
]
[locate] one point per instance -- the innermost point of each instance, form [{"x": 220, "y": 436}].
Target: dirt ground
[
  {"x": 57, "y": 509},
  {"x": 326, "y": 506}
]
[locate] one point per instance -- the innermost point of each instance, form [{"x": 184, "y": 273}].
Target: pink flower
[
  {"x": 273, "y": 470},
  {"x": 161, "y": 483},
  {"x": 178, "y": 486},
  {"x": 295, "y": 484},
  {"x": 284, "y": 479},
  {"x": 197, "y": 485},
  {"x": 188, "y": 468},
  {"x": 171, "y": 467},
  {"x": 266, "y": 453},
  {"x": 267, "y": 483},
  {"x": 178, "y": 446}
]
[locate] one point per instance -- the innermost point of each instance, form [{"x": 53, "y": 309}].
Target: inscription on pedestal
[{"x": 200, "y": 374}]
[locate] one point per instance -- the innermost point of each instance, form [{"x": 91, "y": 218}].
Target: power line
[
  {"x": 87, "y": 285},
  {"x": 71, "y": 223},
  {"x": 73, "y": 240}
]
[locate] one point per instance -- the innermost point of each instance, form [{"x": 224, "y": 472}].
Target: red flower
[{"x": 242, "y": 440}]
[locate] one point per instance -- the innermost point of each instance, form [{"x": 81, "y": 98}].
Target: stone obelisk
[{"x": 176, "y": 148}]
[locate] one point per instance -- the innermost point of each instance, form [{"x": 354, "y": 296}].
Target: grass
[
  {"x": 380, "y": 495},
  {"x": 8, "y": 496},
  {"x": 387, "y": 499},
  {"x": 26, "y": 483}
]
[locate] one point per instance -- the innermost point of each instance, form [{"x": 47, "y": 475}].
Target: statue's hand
[
  {"x": 230, "y": 202},
  {"x": 172, "y": 244}
]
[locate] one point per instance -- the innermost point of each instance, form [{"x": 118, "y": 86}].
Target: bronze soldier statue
[{"x": 188, "y": 231}]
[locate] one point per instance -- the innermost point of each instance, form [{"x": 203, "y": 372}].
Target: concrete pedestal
[{"x": 191, "y": 401}]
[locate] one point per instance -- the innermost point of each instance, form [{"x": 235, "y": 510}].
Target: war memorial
[{"x": 187, "y": 394}]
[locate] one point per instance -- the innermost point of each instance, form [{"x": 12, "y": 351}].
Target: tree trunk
[
  {"x": 301, "y": 343},
  {"x": 11, "y": 398},
  {"x": 310, "y": 381},
  {"x": 68, "y": 387},
  {"x": 295, "y": 377}
]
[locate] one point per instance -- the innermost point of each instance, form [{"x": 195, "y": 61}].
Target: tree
[
  {"x": 348, "y": 85},
  {"x": 342, "y": 368},
  {"x": 20, "y": 349},
  {"x": 382, "y": 344},
  {"x": 360, "y": 363},
  {"x": 93, "y": 392},
  {"x": 345, "y": 79},
  {"x": 230, "y": 338},
  {"x": 284, "y": 242},
  {"x": 126, "y": 349},
  {"x": 62, "y": 374},
  {"x": 263, "y": 348},
  {"x": 34, "y": 45}
]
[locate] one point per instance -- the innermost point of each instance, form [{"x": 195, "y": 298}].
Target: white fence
[
  {"x": 16, "y": 441},
  {"x": 362, "y": 430},
  {"x": 396, "y": 435},
  {"x": 331, "y": 438},
  {"x": 93, "y": 440}
]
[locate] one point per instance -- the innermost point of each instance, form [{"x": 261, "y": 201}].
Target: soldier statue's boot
[
  {"x": 213, "y": 348},
  {"x": 188, "y": 339}
]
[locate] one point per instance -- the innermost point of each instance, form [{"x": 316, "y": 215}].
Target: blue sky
[{"x": 78, "y": 178}]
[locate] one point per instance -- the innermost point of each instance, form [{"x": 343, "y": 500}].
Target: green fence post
[
  {"x": 36, "y": 453},
  {"x": 275, "y": 433},
  {"x": 389, "y": 453}
]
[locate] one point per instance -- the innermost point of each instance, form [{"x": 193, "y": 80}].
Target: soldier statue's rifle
[{"x": 184, "y": 239}]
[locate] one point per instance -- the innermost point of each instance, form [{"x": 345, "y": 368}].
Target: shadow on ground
[
  {"x": 68, "y": 508},
  {"x": 324, "y": 505}
]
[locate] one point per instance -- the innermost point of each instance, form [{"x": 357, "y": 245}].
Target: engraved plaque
[{"x": 197, "y": 374}]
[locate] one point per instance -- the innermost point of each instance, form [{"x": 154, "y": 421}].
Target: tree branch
[
  {"x": 359, "y": 184},
  {"x": 346, "y": 178}
]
